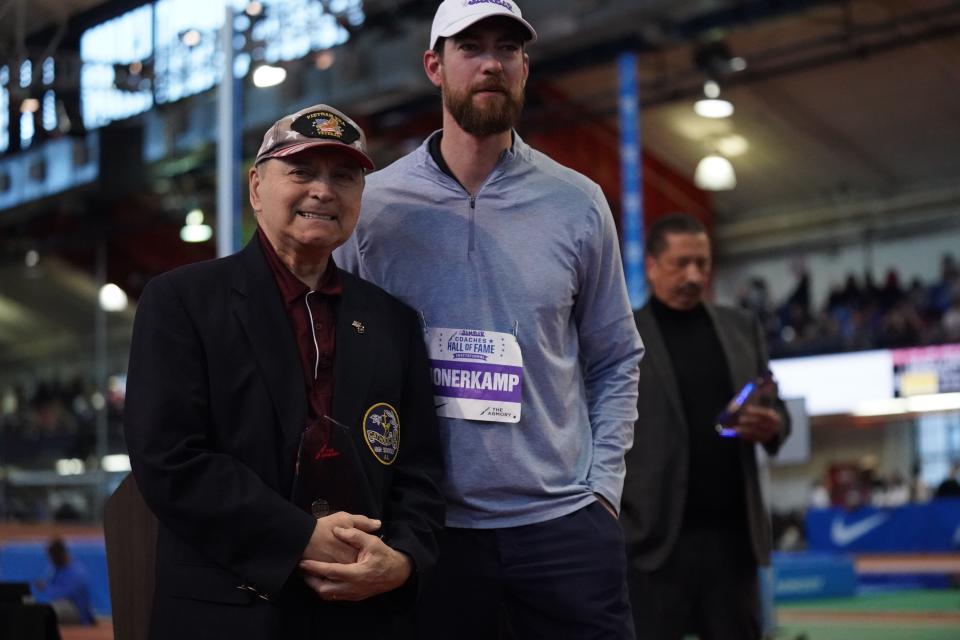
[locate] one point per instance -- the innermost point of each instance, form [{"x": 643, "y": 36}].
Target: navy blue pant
[{"x": 563, "y": 578}]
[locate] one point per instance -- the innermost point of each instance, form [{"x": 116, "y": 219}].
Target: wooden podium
[{"x": 130, "y": 534}]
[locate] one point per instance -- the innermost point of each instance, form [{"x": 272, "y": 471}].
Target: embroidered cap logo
[
  {"x": 331, "y": 126},
  {"x": 502, "y": 3},
  {"x": 323, "y": 124}
]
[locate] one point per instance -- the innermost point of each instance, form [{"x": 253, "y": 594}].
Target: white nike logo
[{"x": 843, "y": 534}]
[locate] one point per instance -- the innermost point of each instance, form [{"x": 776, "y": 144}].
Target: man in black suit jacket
[
  {"x": 280, "y": 417},
  {"x": 695, "y": 524}
]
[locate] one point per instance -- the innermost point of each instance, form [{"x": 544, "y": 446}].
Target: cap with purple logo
[
  {"x": 317, "y": 126},
  {"x": 453, "y": 16}
]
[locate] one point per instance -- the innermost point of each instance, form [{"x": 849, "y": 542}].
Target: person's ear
[
  {"x": 254, "y": 183},
  {"x": 433, "y": 66}
]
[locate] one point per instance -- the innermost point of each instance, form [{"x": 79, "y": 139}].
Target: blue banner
[
  {"x": 631, "y": 177},
  {"x": 807, "y": 575},
  {"x": 930, "y": 527}
]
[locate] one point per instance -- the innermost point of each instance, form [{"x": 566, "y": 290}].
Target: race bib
[{"x": 477, "y": 375}]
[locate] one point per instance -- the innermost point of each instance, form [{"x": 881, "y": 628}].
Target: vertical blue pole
[
  {"x": 227, "y": 146},
  {"x": 238, "y": 177},
  {"x": 631, "y": 175}
]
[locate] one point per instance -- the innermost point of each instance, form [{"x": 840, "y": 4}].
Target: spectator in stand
[
  {"x": 900, "y": 326},
  {"x": 919, "y": 491},
  {"x": 819, "y": 496},
  {"x": 944, "y": 292},
  {"x": 892, "y": 293},
  {"x": 898, "y": 491},
  {"x": 852, "y": 295},
  {"x": 756, "y": 299},
  {"x": 950, "y": 323},
  {"x": 950, "y": 487}
]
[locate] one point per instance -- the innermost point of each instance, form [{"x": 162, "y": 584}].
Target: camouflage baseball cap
[{"x": 316, "y": 126}]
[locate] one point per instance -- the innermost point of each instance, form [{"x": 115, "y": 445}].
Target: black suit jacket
[
  {"x": 655, "y": 488},
  {"x": 214, "y": 411}
]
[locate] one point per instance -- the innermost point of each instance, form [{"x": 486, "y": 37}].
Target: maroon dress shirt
[{"x": 313, "y": 318}]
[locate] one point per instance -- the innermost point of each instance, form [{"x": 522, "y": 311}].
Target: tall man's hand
[
  {"x": 378, "y": 569},
  {"x": 758, "y": 424},
  {"x": 606, "y": 505},
  {"x": 325, "y": 546}
]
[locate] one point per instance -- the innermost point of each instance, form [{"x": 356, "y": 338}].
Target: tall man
[
  {"x": 280, "y": 419},
  {"x": 695, "y": 524},
  {"x": 512, "y": 261}
]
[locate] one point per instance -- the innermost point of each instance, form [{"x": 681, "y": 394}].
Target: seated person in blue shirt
[{"x": 68, "y": 591}]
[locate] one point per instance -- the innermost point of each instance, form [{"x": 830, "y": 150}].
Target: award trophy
[{"x": 329, "y": 476}]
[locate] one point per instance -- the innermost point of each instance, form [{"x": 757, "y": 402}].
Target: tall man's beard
[{"x": 486, "y": 120}]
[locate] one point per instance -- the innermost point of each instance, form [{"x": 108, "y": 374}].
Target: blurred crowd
[
  {"x": 854, "y": 485},
  {"x": 54, "y": 419},
  {"x": 860, "y": 314},
  {"x": 46, "y": 422}
]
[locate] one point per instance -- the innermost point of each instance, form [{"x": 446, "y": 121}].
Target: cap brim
[
  {"x": 300, "y": 147},
  {"x": 457, "y": 26}
]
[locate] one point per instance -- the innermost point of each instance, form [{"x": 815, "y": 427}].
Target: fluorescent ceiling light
[
  {"x": 115, "y": 462},
  {"x": 196, "y": 232},
  {"x": 715, "y": 173},
  {"x": 732, "y": 146},
  {"x": 713, "y": 108},
  {"x": 69, "y": 466},
  {"x": 268, "y": 76},
  {"x": 112, "y": 298}
]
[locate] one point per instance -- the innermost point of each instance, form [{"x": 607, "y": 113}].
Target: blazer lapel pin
[{"x": 358, "y": 326}]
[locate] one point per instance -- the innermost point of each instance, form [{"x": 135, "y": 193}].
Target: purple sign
[{"x": 476, "y": 380}]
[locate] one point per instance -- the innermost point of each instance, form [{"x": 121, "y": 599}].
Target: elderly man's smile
[{"x": 316, "y": 216}]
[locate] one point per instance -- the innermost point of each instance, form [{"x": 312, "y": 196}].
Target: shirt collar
[
  {"x": 431, "y": 148},
  {"x": 291, "y": 288}
]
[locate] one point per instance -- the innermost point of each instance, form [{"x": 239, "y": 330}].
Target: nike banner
[{"x": 934, "y": 526}]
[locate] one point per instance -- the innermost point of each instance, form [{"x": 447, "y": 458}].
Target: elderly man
[
  {"x": 513, "y": 262},
  {"x": 280, "y": 419}
]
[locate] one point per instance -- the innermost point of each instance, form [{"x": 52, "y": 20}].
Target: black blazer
[
  {"x": 214, "y": 411},
  {"x": 657, "y": 466}
]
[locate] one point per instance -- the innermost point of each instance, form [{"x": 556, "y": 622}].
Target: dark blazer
[
  {"x": 657, "y": 466},
  {"x": 214, "y": 411}
]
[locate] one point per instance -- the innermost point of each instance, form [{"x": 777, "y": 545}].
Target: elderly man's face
[{"x": 307, "y": 204}]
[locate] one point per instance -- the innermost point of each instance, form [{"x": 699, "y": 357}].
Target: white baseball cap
[{"x": 453, "y": 16}]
